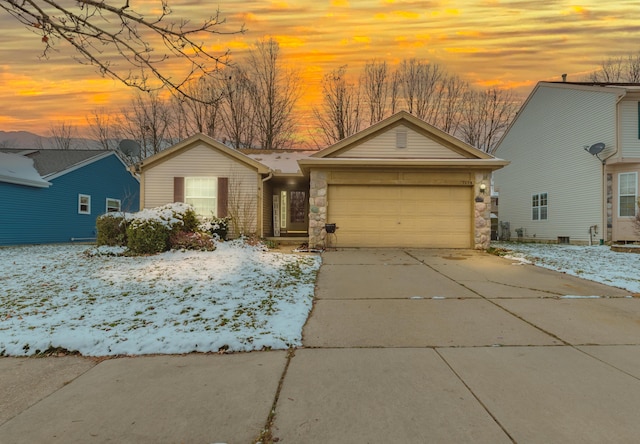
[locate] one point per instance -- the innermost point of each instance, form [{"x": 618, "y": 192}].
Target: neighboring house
[
  {"x": 574, "y": 150},
  {"x": 399, "y": 183},
  {"x": 50, "y": 196}
]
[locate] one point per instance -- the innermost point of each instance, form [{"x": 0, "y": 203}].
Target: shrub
[
  {"x": 192, "y": 241},
  {"x": 112, "y": 230},
  {"x": 217, "y": 226},
  {"x": 147, "y": 236}
]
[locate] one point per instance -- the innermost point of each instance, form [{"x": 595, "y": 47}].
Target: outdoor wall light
[{"x": 483, "y": 188}]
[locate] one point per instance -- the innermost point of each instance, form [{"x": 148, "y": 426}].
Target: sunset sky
[{"x": 513, "y": 43}]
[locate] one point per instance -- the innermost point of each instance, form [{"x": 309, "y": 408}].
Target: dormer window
[{"x": 401, "y": 138}]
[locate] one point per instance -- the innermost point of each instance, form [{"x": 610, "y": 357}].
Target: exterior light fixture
[{"x": 483, "y": 188}]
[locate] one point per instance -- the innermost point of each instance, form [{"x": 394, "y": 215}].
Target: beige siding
[
  {"x": 546, "y": 149},
  {"x": 400, "y": 216},
  {"x": 629, "y": 141},
  {"x": 383, "y": 146},
  {"x": 201, "y": 161}
]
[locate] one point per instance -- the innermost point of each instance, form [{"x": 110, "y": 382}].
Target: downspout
[{"x": 605, "y": 225}]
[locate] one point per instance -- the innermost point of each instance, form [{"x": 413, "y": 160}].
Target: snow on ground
[
  {"x": 596, "y": 263},
  {"x": 238, "y": 298}
]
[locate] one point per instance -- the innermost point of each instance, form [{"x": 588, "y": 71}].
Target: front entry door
[{"x": 293, "y": 211}]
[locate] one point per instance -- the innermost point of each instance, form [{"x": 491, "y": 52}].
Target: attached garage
[
  {"x": 400, "y": 183},
  {"x": 401, "y": 216}
]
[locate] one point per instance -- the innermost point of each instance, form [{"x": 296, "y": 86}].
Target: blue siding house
[{"x": 51, "y": 196}]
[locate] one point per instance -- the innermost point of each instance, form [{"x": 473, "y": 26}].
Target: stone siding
[{"x": 317, "y": 209}]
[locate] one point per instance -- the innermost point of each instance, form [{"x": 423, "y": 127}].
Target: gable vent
[{"x": 401, "y": 138}]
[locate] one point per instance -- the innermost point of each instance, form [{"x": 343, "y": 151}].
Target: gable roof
[
  {"x": 412, "y": 122},
  {"x": 200, "y": 138},
  {"x": 19, "y": 170},
  {"x": 51, "y": 163},
  {"x": 466, "y": 156},
  {"x": 619, "y": 89}
]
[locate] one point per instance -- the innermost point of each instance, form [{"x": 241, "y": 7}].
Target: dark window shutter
[
  {"x": 223, "y": 196},
  {"x": 178, "y": 189}
]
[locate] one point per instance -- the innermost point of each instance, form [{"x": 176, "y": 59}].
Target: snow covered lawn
[
  {"x": 238, "y": 298},
  {"x": 595, "y": 263}
]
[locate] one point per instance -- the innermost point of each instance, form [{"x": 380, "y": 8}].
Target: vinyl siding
[
  {"x": 629, "y": 129},
  {"x": 202, "y": 161},
  {"x": 545, "y": 146},
  {"x": 50, "y": 215},
  {"x": 383, "y": 146}
]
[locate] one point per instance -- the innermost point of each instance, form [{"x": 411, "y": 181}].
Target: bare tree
[
  {"x": 339, "y": 114},
  {"x": 103, "y": 35},
  {"x": 149, "y": 121},
  {"x": 101, "y": 127},
  {"x": 237, "y": 113},
  {"x": 394, "y": 91},
  {"x": 61, "y": 135},
  {"x": 452, "y": 91},
  {"x": 200, "y": 112},
  {"x": 276, "y": 90},
  {"x": 618, "y": 69},
  {"x": 375, "y": 89},
  {"x": 486, "y": 115}
]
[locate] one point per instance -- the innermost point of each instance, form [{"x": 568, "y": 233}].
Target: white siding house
[{"x": 555, "y": 189}]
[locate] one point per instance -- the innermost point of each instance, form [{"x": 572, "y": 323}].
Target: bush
[
  {"x": 112, "y": 230},
  {"x": 217, "y": 226},
  {"x": 192, "y": 241},
  {"x": 147, "y": 237}
]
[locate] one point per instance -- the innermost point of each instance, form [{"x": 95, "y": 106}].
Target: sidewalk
[{"x": 401, "y": 346}]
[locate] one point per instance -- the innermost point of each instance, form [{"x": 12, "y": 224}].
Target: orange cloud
[
  {"x": 288, "y": 41},
  {"x": 462, "y": 50},
  {"x": 577, "y": 10},
  {"x": 407, "y": 14}
]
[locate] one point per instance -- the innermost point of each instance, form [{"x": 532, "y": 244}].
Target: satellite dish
[
  {"x": 596, "y": 148},
  {"x": 129, "y": 147}
]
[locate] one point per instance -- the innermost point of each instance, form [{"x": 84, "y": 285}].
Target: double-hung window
[
  {"x": 539, "y": 208},
  {"x": 202, "y": 194},
  {"x": 627, "y": 194},
  {"x": 84, "y": 204},
  {"x": 113, "y": 205}
]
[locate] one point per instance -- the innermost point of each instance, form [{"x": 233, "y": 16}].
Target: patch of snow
[
  {"x": 236, "y": 298},
  {"x": 579, "y": 297},
  {"x": 18, "y": 169},
  {"x": 596, "y": 263}
]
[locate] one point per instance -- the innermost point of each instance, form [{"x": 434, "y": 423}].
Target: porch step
[{"x": 289, "y": 240}]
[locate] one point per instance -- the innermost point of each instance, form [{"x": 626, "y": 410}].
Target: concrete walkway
[{"x": 402, "y": 346}]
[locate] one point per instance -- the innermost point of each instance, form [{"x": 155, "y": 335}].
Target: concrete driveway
[{"x": 402, "y": 346}]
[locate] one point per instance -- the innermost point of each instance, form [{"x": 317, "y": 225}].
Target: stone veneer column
[
  {"x": 482, "y": 217},
  {"x": 317, "y": 208}
]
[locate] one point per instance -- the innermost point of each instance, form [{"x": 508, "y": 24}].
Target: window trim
[
  {"x": 635, "y": 194},
  {"x": 80, "y": 204},
  {"x": 106, "y": 206},
  {"x": 539, "y": 207}
]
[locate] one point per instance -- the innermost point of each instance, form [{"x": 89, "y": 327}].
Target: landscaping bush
[
  {"x": 147, "y": 236},
  {"x": 217, "y": 226},
  {"x": 112, "y": 230},
  {"x": 155, "y": 230},
  {"x": 192, "y": 241}
]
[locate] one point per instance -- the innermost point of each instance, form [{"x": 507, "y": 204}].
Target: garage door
[{"x": 401, "y": 216}]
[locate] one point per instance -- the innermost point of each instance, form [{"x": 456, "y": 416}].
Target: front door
[{"x": 293, "y": 211}]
